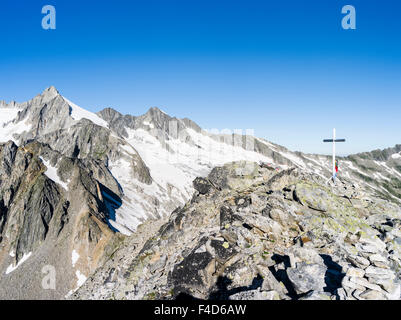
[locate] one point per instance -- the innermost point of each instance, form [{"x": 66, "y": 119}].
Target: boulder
[
  {"x": 270, "y": 283},
  {"x": 378, "y": 261},
  {"x": 306, "y": 277},
  {"x": 201, "y": 185},
  {"x": 193, "y": 275},
  {"x": 313, "y": 196},
  {"x": 358, "y": 261}
]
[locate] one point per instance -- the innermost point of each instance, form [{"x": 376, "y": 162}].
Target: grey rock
[
  {"x": 315, "y": 198},
  {"x": 368, "y": 248},
  {"x": 380, "y": 273},
  {"x": 358, "y": 261},
  {"x": 346, "y": 283},
  {"x": 342, "y": 295},
  {"x": 393, "y": 292},
  {"x": 378, "y": 261},
  {"x": 355, "y": 272},
  {"x": 372, "y": 295},
  {"x": 356, "y": 294},
  {"x": 363, "y": 282},
  {"x": 314, "y": 295},
  {"x": 304, "y": 254},
  {"x": 306, "y": 277},
  {"x": 270, "y": 283},
  {"x": 255, "y": 295}
]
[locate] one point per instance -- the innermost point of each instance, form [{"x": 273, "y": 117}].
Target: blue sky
[{"x": 283, "y": 68}]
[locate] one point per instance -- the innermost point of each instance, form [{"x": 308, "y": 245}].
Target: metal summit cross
[{"x": 334, "y": 140}]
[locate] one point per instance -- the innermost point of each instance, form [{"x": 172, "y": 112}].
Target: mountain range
[{"x": 88, "y": 193}]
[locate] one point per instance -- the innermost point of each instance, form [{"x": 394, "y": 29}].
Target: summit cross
[{"x": 334, "y": 140}]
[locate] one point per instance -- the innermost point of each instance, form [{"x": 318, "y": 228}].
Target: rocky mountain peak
[
  {"x": 157, "y": 117},
  {"x": 156, "y": 111},
  {"x": 51, "y": 90},
  {"x": 49, "y": 93},
  {"x": 110, "y": 114}
]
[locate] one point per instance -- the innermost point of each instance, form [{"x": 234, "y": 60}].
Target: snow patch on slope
[
  {"x": 296, "y": 160},
  {"x": 379, "y": 176},
  {"x": 78, "y": 113},
  {"x": 183, "y": 162},
  {"x": 74, "y": 257},
  {"x": 8, "y": 114},
  {"x": 11, "y": 267},
  {"x": 51, "y": 173},
  {"x": 81, "y": 278},
  {"x": 146, "y": 123},
  {"x": 392, "y": 171},
  {"x": 353, "y": 168},
  {"x": 138, "y": 200},
  {"x": 8, "y": 128},
  {"x": 211, "y": 153},
  {"x": 128, "y": 215}
]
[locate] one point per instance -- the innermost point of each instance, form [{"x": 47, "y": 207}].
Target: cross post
[{"x": 334, "y": 140}]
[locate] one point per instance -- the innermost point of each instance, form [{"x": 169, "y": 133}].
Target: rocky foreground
[{"x": 252, "y": 232}]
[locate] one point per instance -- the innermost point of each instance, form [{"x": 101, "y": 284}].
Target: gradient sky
[{"x": 286, "y": 69}]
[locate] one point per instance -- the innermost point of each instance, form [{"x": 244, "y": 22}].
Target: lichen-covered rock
[
  {"x": 202, "y": 185},
  {"x": 240, "y": 239}
]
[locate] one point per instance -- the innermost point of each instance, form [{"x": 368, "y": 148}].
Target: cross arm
[{"x": 336, "y": 140}]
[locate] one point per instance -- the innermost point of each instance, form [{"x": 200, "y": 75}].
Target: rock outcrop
[
  {"x": 254, "y": 233},
  {"x": 50, "y": 208}
]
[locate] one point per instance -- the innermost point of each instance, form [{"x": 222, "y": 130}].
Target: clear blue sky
[{"x": 283, "y": 68}]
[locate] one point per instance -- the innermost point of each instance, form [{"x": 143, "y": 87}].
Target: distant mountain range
[{"x": 74, "y": 184}]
